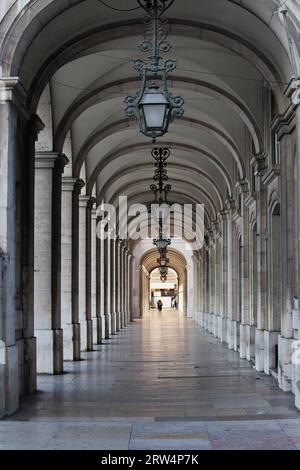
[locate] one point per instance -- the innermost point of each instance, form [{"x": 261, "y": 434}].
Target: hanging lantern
[{"x": 154, "y": 106}]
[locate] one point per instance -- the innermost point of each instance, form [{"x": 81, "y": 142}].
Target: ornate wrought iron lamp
[
  {"x": 163, "y": 260},
  {"x": 160, "y": 208},
  {"x": 154, "y": 106},
  {"x": 161, "y": 205}
]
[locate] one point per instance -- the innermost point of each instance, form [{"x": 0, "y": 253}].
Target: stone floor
[{"x": 161, "y": 383}]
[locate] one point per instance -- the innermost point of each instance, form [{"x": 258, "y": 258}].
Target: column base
[
  {"x": 49, "y": 351},
  {"x": 243, "y": 341},
  {"x": 86, "y": 335},
  {"x": 250, "y": 343},
  {"x": 97, "y": 330},
  {"x": 236, "y": 335},
  {"x": 270, "y": 351},
  {"x": 219, "y": 327},
  {"x": 107, "y": 318},
  {"x": 102, "y": 328},
  {"x": 233, "y": 335},
  {"x": 2, "y": 381},
  {"x": 285, "y": 366},
  {"x": 21, "y": 364},
  {"x": 223, "y": 336},
  {"x": 209, "y": 322},
  {"x": 9, "y": 380},
  {"x": 71, "y": 342},
  {"x": 76, "y": 342},
  {"x": 214, "y": 325},
  {"x": 113, "y": 323},
  {"x": 259, "y": 350},
  {"x": 30, "y": 384},
  {"x": 122, "y": 318},
  {"x": 90, "y": 335},
  {"x": 296, "y": 382},
  {"x": 118, "y": 321}
]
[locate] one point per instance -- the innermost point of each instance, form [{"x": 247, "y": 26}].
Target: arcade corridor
[
  {"x": 149, "y": 152},
  {"x": 161, "y": 383}
]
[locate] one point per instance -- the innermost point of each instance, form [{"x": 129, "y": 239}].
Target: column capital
[
  {"x": 243, "y": 185},
  {"x": 79, "y": 184},
  {"x": 216, "y": 229},
  {"x": 224, "y": 215},
  {"x": 10, "y": 86},
  {"x": 260, "y": 163},
  {"x": 48, "y": 160},
  {"x": 83, "y": 201},
  {"x": 35, "y": 126},
  {"x": 91, "y": 203},
  {"x": 72, "y": 184},
  {"x": 230, "y": 203}
]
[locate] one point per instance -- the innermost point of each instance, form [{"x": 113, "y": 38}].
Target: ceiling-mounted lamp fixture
[
  {"x": 162, "y": 244},
  {"x": 163, "y": 262},
  {"x": 160, "y": 208},
  {"x": 163, "y": 270},
  {"x": 154, "y": 106}
]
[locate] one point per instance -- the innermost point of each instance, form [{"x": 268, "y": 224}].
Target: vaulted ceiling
[{"x": 75, "y": 60}]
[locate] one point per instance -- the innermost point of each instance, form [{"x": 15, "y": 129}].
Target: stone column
[
  {"x": 224, "y": 275},
  {"x": 211, "y": 325},
  {"x": 125, "y": 269},
  {"x": 245, "y": 310},
  {"x": 85, "y": 203},
  {"x": 24, "y": 300},
  {"x": 71, "y": 188},
  {"x": 230, "y": 329},
  {"x": 207, "y": 287},
  {"x": 113, "y": 285},
  {"x": 201, "y": 288},
  {"x": 262, "y": 274},
  {"x": 99, "y": 326},
  {"x": 94, "y": 274},
  {"x": 288, "y": 291},
  {"x": 107, "y": 287},
  {"x": 88, "y": 277},
  {"x": 47, "y": 266},
  {"x": 218, "y": 267},
  {"x": 296, "y": 366},
  {"x": 129, "y": 288},
  {"x": 288, "y": 131},
  {"x": 117, "y": 282},
  {"x": 120, "y": 286},
  {"x": 102, "y": 286},
  {"x": 13, "y": 119}
]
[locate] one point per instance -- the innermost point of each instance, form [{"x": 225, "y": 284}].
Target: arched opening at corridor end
[{"x": 166, "y": 292}]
